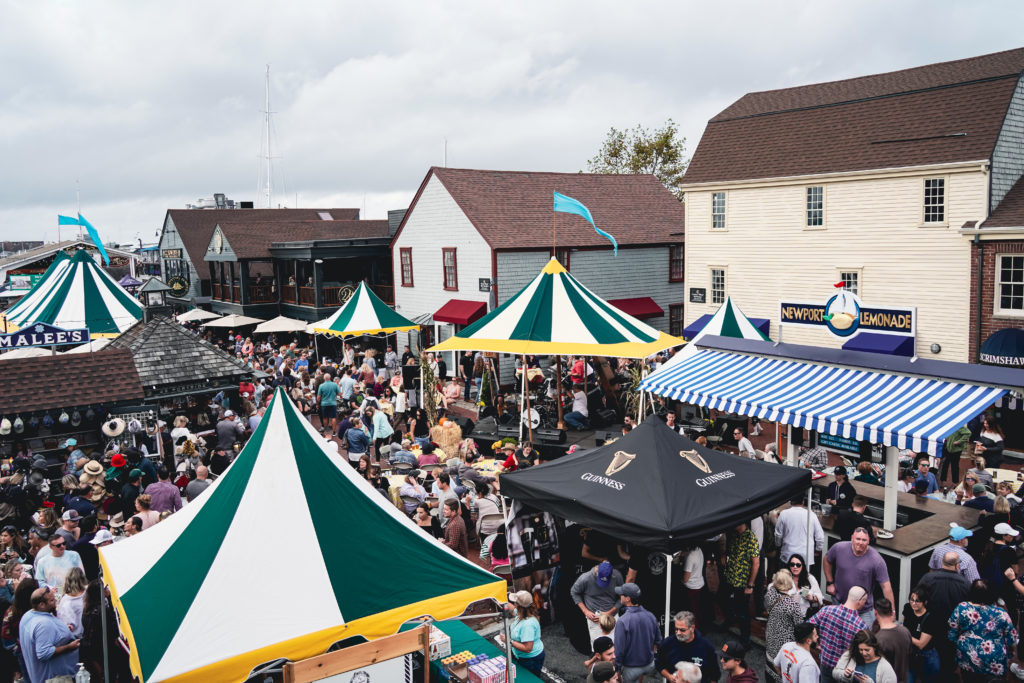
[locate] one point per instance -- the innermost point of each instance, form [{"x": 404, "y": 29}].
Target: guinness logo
[
  {"x": 619, "y": 462},
  {"x": 697, "y": 460}
]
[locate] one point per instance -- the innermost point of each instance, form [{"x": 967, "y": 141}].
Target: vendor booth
[
  {"x": 897, "y": 402},
  {"x": 196, "y": 601}
]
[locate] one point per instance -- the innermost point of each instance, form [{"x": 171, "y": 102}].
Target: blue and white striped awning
[{"x": 880, "y": 407}]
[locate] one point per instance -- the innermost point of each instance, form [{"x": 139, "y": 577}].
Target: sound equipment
[
  {"x": 508, "y": 430},
  {"x": 549, "y": 435},
  {"x": 603, "y": 417},
  {"x": 465, "y": 423},
  {"x": 796, "y": 436},
  {"x": 487, "y": 425}
]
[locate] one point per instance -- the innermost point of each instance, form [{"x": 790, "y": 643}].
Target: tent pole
[
  {"x": 508, "y": 645},
  {"x": 668, "y": 591},
  {"x": 558, "y": 391},
  {"x": 892, "y": 470},
  {"x": 791, "y": 458},
  {"x": 522, "y": 403},
  {"x": 809, "y": 557},
  {"x": 103, "y": 625},
  {"x": 316, "y": 347},
  {"x": 420, "y": 400}
]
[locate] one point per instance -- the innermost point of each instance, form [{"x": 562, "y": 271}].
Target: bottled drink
[{"x": 82, "y": 676}]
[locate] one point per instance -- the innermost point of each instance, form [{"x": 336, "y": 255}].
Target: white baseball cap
[{"x": 1004, "y": 529}]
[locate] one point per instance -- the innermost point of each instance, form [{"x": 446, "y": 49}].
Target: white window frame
[
  {"x": 725, "y": 209},
  {"x": 725, "y": 284},
  {"x": 945, "y": 201},
  {"x": 807, "y": 208},
  {"x": 858, "y": 275},
  {"x": 997, "y": 299}
]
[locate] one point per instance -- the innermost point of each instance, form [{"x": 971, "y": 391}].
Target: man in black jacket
[
  {"x": 854, "y": 518},
  {"x": 948, "y": 589}
]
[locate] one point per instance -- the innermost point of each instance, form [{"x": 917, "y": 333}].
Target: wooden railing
[
  {"x": 307, "y": 296},
  {"x": 262, "y": 294},
  {"x": 288, "y": 294},
  {"x": 385, "y": 292},
  {"x": 217, "y": 291}
]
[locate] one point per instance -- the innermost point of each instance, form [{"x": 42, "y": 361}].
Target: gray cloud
[{"x": 152, "y": 105}]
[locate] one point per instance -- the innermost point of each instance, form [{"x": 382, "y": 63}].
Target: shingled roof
[
  {"x": 195, "y": 226},
  {"x": 47, "y": 382},
  {"x": 941, "y": 113},
  {"x": 252, "y": 239},
  {"x": 1010, "y": 212},
  {"x": 513, "y": 209},
  {"x": 167, "y": 356}
]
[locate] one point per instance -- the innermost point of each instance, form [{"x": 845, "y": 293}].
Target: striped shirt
[
  {"x": 837, "y": 624},
  {"x": 968, "y": 565}
]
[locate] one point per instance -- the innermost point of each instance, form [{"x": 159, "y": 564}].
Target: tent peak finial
[{"x": 554, "y": 267}]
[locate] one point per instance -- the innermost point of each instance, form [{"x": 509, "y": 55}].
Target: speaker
[
  {"x": 796, "y": 436},
  {"x": 604, "y": 417},
  {"x": 549, "y": 435},
  {"x": 508, "y": 430},
  {"x": 465, "y": 423}
]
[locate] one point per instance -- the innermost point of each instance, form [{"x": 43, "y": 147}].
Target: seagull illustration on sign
[
  {"x": 697, "y": 460},
  {"x": 620, "y": 461}
]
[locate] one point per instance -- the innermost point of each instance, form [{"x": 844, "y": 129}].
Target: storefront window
[
  {"x": 1010, "y": 286},
  {"x": 718, "y": 285}
]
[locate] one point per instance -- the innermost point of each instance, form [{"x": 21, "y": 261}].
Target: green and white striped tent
[
  {"x": 556, "y": 315},
  {"x": 75, "y": 293},
  {"x": 728, "y": 321},
  {"x": 363, "y": 313},
  {"x": 287, "y": 553}
]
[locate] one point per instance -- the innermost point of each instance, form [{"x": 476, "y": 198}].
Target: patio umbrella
[
  {"x": 195, "y": 315},
  {"x": 129, "y": 281},
  {"x": 282, "y": 324},
  {"x": 363, "y": 313},
  {"x": 233, "y": 320}
]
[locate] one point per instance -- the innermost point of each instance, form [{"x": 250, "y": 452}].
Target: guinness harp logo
[
  {"x": 697, "y": 460},
  {"x": 619, "y": 462}
]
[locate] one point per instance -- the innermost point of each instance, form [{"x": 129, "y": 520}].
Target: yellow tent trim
[
  {"x": 387, "y": 623},
  {"x": 553, "y": 267},
  {"x": 8, "y": 325},
  {"x": 104, "y": 335},
  {"x": 542, "y": 348},
  {"x": 355, "y": 333}
]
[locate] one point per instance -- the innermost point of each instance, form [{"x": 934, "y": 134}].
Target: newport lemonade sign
[{"x": 844, "y": 315}]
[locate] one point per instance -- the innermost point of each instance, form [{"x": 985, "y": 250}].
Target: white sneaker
[{"x": 1018, "y": 671}]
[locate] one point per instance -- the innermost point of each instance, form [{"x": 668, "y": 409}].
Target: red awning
[
  {"x": 640, "y": 307},
  {"x": 461, "y": 312}
]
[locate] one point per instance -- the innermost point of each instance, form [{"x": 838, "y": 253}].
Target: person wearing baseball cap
[
  {"x": 602, "y": 671},
  {"x": 636, "y": 634},
  {"x": 734, "y": 663},
  {"x": 840, "y": 492},
  {"x": 957, "y": 543},
  {"x": 980, "y": 501},
  {"x": 527, "y": 647},
  {"x": 594, "y": 593},
  {"x": 69, "y": 526}
]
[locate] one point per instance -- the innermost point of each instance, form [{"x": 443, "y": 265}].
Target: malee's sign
[
  {"x": 844, "y": 315},
  {"x": 41, "y": 334}
]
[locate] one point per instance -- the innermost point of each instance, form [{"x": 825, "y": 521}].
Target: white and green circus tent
[
  {"x": 363, "y": 313},
  {"x": 76, "y": 293},
  {"x": 287, "y": 553},
  {"x": 728, "y": 321},
  {"x": 556, "y": 315}
]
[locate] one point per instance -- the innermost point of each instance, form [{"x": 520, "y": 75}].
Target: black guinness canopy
[{"x": 656, "y": 488}]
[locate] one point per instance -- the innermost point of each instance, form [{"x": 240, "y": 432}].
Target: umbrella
[
  {"x": 129, "y": 281},
  {"x": 340, "y": 531},
  {"x": 282, "y": 324},
  {"x": 555, "y": 314},
  {"x": 363, "y": 313},
  {"x": 75, "y": 293},
  {"x": 233, "y": 320},
  {"x": 195, "y": 315}
]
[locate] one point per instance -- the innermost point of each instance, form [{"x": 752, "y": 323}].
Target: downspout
[{"x": 978, "y": 297}]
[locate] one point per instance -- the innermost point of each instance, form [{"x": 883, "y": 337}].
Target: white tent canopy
[
  {"x": 233, "y": 320},
  {"x": 196, "y": 315},
  {"x": 282, "y": 324}
]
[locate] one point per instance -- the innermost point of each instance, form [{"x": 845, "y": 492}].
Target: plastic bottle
[{"x": 82, "y": 676}]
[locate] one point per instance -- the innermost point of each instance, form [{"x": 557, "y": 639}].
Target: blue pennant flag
[
  {"x": 95, "y": 238},
  {"x": 570, "y": 205},
  {"x": 67, "y": 220}
]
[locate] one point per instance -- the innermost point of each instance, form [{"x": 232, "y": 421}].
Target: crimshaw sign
[{"x": 41, "y": 334}]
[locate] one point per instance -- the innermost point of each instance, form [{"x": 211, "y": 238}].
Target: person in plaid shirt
[
  {"x": 742, "y": 559},
  {"x": 837, "y": 624}
]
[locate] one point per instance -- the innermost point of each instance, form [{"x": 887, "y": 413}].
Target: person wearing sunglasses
[
  {"x": 53, "y": 570},
  {"x": 805, "y": 586},
  {"x": 743, "y": 445}
]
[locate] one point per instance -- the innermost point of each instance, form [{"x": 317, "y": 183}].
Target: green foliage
[
  {"x": 631, "y": 396},
  {"x": 429, "y": 390},
  {"x": 660, "y": 152}
]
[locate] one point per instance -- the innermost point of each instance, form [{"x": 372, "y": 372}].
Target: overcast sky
[{"x": 145, "y": 106}]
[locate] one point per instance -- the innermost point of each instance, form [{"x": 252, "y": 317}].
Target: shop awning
[
  {"x": 890, "y": 406},
  {"x": 894, "y": 344},
  {"x": 639, "y": 307},
  {"x": 762, "y": 324},
  {"x": 460, "y": 312},
  {"x": 1004, "y": 347}
]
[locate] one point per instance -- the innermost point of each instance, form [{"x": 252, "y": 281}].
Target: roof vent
[{"x": 325, "y": 215}]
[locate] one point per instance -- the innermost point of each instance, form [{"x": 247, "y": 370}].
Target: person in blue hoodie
[{"x": 688, "y": 645}]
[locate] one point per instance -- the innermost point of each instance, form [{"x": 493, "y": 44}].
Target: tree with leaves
[{"x": 660, "y": 152}]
